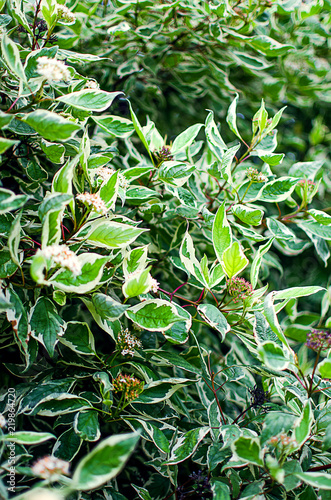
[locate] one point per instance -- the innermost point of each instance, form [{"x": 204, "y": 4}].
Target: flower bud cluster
[
  {"x": 239, "y": 288},
  {"x": 65, "y": 14},
  {"x": 310, "y": 184},
  {"x": 318, "y": 340},
  {"x": 283, "y": 439},
  {"x": 130, "y": 386},
  {"x": 164, "y": 154},
  {"x": 255, "y": 176},
  {"x": 93, "y": 200},
  {"x": 127, "y": 343},
  {"x": 62, "y": 255},
  {"x": 52, "y": 69},
  {"x": 50, "y": 466}
]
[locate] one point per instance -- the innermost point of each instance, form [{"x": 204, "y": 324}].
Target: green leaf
[
  {"x": 17, "y": 316},
  {"x": 11, "y": 56},
  {"x": 225, "y": 166},
  {"x": 142, "y": 492},
  {"x": 54, "y": 152},
  {"x": 272, "y": 159},
  {"x": 104, "y": 462},
  {"x": 135, "y": 260},
  {"x": 61, "y": 404},
  {"x": 89, "y": 99},
  {"x": 214, "y": 318},
  {"x": 79, "y": 338},
  {"x": 268, "y": 46},
  {"x": 190, "y": 262},
  {"x": 116, "y": 126},
  {"x": 233, "y": 260},
  {"x": 248, "y": 449},
  {"x": 108, "y": 308},
  {"x": 140, "y": 132},
  {"x": 231, "y": 117},
  {"x": 222, "y": 236},
  {"x": 248, "y": 215},
  {"x": 273, "y": 356},
  {"x": 278, "y": 190},
  {"x": 317, "y": 229},
  {"x": 155, "y": 315},
  {"x": 92, "y": 269},
  {"x": 279, "y": 230},
  {"x": 214, "y": 139},
  {"x": 86, "y": 425},
  {"x": 185, "y": 139},
  {"x": 51, "y": 125},
  {"x": 303, "y": 425},
  {"x": 138, "y": 284},
  {"x": 186, "y": 445},
  {"x": 51, "y": 213},
  {"x": 220, "y": 490},
  {"x": 161, "y": 390},
  {"x": 10, "y": 201},
  {"x": 6, "y": 144},
  {"x": 108, "y": 234},
  {"x": 324, "y": 368},
  {"x": 175, "y": 173},
  {"x": 271, "y": 317},
  {"x": 296, "y": 292},
  {"x": 67, "y": 445},
  {"x": 5, "y": 119},
  {"x": 14, "y": 239},
  {"x": 109, "y": 191},
  {"x": 45, "y": 323},
  {"x": 7, "y": 266},
  {"x": 306, "y": 169},
  {"x": 251, "y": 62},
  {"x": 27, "y": 437},
  {"x": 49, "y": 12},
  {"x": 43, "y": 390},
  {"x": 319, "y": 480},
  {"x": 320, "y": 216}
]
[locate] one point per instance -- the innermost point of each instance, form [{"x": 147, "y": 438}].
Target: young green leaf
[
  {"x": 234, "y": 260},
  {"x": 104, "y": 462},
  {"x": 222, "y": 236}
]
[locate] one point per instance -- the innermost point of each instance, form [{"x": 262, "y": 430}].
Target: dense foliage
[{"x": 148, "y": 350}]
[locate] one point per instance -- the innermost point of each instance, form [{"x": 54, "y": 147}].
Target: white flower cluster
[
  {"x": 127, "y": 342},
  {"x": 43, "y": 494},
  {"x": 255, "y": 176},
  {"x": 91, "y": 84},
  {"x": 3, "y": 421},
  {"x": 105, "y": 173},
  {"x": 154, "y": 285},
  {"x": 65, "y": 14},
  {"x": 50, "y": 466},
  {"x": 62, "y": 255},
  {"x": 52, "y": 69},
  {"x": 94, "y": 200},
  {"x": 124, "y": 184}
]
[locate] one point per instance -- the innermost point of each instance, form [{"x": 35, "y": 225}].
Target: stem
[
  {"x": 243, "y": 196},
  {"x": 241, "y": 414},
  {"x": 214, "y": 298},
  {"x": 313, "y": 373},
  {"x": 320, "y": 467}
]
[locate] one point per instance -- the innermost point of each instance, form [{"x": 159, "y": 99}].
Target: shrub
[{"x": 138, "y": 330}]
